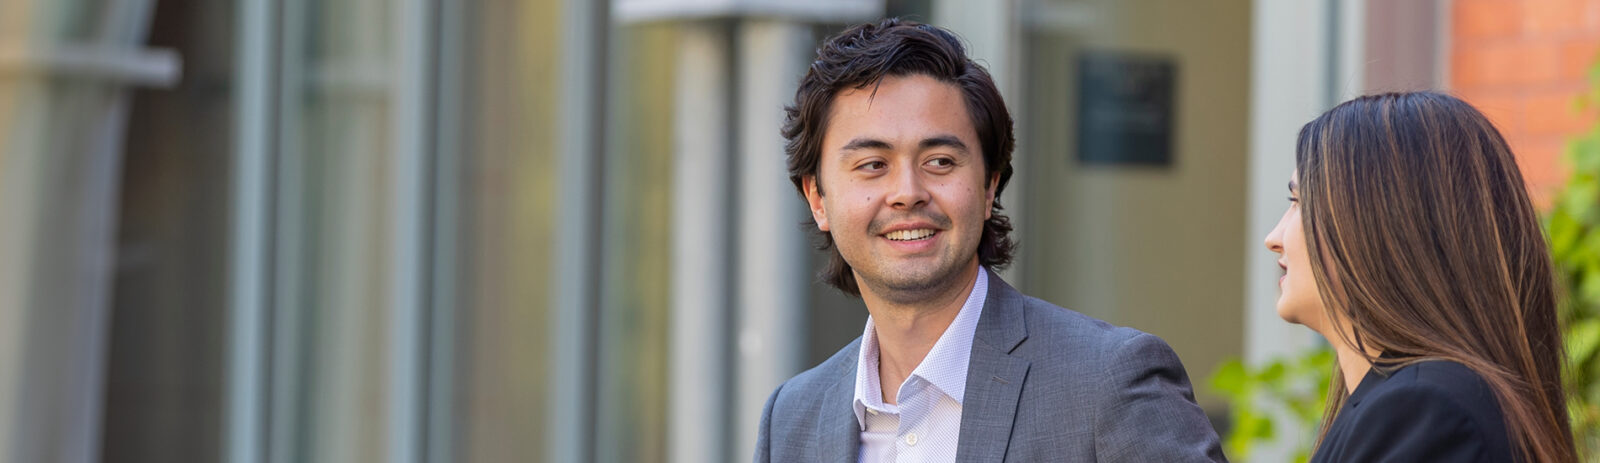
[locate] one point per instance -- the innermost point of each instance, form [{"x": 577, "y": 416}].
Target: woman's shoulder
[
  {"x": 1425, "y": 411},
  {"x": 1440, "y": 383}
]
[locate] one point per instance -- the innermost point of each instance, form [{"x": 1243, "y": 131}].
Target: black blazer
[{"x": 1428, "y": 411}]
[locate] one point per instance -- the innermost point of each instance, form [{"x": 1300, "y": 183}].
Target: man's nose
[{"x": 909, "y": 190}]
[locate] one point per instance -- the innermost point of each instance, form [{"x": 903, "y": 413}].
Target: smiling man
[{"x": 901, "y": 146}]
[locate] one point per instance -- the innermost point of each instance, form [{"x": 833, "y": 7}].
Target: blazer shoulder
[
  {"x": 1427, "y": 411},
  {"x": 1054, "y": 323},
  {"x": 812, "y": 383},
  {"x": 1063, "y": 343},
  {"x": 1449, "y": 386}
]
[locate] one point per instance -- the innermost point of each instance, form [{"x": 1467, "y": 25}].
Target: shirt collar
[{"x": 945, "y": 367}]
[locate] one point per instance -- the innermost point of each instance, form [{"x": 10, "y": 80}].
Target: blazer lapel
[
  {"x": 994, "y": 376},
  {"x": 838, "y": 432}
]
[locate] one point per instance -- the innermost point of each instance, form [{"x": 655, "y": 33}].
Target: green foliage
[
  {"x": 1574, "y": 226},
  {"x": 1293, "y": 388}
]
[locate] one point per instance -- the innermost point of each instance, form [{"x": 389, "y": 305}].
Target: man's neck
[{"x": 907, "y": 331}]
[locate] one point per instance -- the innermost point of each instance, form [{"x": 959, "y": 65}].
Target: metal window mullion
[
  {"x": 438, "y": 415},
  {"x": 117, "y": 65},
  {"x": 89, "y": 183},
  {"x": 112, "y": 54},
  {"x": 576, "y": 267},
  {"x": 286, "y": 430},
  {"x": 414, "y": 133},
  {"x": 125, "y": 21},
  {"x": 250, "y": 263},
  {"x": 96, "y": 229}
]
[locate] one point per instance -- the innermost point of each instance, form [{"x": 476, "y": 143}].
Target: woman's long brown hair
[{"x": 1422, "y": 239}]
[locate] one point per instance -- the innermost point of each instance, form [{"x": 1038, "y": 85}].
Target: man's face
[{"x": 902, "y": 185}]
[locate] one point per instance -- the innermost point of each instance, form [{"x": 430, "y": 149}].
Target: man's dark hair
[{"x": 863, "y": 56}]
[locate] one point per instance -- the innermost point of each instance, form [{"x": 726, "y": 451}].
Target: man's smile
[{"x": 910, "y": 235}]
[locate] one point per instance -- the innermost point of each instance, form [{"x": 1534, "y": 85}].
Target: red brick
[
  {"x": 1591, "y": 16},
  {"x": 1516, "y": 63},
  {"x": 1472, "y": 68},
  {"x": 1541, "y": 165},
  {"x": 1578, "y": 56},
  {"x": 1547, "y": 18},
  {"x": 1553, "y": 113},
  {"x": 1505, "y": 111},
  {"x": 1538, "y": 62},
  {"x": 1486, "y": 19},
  {"x": 1464, "y": 67}
]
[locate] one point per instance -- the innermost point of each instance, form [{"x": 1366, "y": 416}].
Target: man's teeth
[{"x": 908, "y": 235}]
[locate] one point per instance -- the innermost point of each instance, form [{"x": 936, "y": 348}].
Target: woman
[{"x": 1411, "y": 245}]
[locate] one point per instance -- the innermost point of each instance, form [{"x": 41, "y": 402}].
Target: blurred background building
[{"x": 259, "y": 231}]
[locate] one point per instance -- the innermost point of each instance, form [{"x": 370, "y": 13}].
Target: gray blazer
[{"x": 1044, "y": 384}]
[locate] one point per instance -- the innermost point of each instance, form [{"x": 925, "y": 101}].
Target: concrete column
[
  {"x": 773, "y": 274},
  {"x": 1289, "y": 56},
  {"x": 1302, "y": 60},
  {"x": 700, "y": 246},
  {"x": 1302, "y": 65}
]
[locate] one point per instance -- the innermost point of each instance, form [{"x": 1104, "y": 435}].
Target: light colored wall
[{"x": 1151, "y": 248}]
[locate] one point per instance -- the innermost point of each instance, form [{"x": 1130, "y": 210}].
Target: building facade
[{"x": 262, "y": 231}]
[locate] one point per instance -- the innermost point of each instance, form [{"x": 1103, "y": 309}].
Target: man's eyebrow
[
  {"x": 866, "y": 143},
  {"x": 949, "y": 141}
]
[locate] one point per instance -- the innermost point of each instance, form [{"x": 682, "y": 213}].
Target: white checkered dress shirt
[{"x": 925, "y": 424}]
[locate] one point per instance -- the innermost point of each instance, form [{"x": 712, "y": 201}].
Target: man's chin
[{"x": 911, "y": 285}]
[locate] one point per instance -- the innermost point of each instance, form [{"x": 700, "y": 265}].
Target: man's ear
[
  {"x": 814, "y": 201},
  {"x": 994, "y": 186}
]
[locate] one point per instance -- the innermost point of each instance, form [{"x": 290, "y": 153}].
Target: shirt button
[{"x": 911, "y": 439}]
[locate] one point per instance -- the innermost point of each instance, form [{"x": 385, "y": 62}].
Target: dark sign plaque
[{"x": 1125, "y": 109}]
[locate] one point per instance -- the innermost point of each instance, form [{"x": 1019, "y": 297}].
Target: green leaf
[
  {"x": 1230, "y": 378},
  {"x": 1579, "y": 200},
  {"x": 1291, "y": 387},
  {"x": 1588, "y": 290},
  {"x": 1273, "y": 373},
  {"x": 1573, "y": 227},
  {"x": 1582, "y": 339},
  {"x": 1564, "y": 233}
]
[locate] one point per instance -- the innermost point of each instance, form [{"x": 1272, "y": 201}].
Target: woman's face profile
[{"x": 1298, "y": 299}]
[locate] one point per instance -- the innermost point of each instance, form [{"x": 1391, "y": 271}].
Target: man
[{"x": 901, "y": 145}]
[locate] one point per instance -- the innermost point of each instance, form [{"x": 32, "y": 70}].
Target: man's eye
[
  {"x": 875, "y": 165},
  {"x": 942, "y": 162}
]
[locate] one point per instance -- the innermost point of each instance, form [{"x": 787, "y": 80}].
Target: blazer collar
[
  {"x": 994, "y": 376},
  {"x": 838, "y": 432},
  {"x": 1004, "y": 324},
  {"x": 994, "y": 386}
]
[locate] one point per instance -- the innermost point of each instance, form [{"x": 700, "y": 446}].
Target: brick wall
[{"x": 1523, "y": 63}]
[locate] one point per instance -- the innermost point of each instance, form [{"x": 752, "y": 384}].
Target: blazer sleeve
[
  {"x": 1148, "y": 411},
  {"x": 1415, "y": 422},
  {"x": 764, "y": 436}
]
